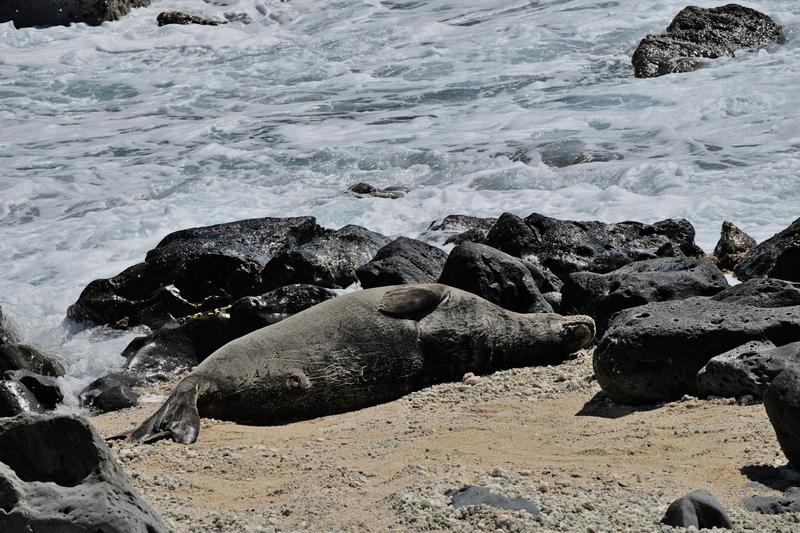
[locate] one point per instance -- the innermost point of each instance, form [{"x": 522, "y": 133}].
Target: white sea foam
[{"x": 113, "y": 136}]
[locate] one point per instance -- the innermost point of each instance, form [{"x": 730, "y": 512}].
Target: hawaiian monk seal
[{"x": 357, "y": 350}]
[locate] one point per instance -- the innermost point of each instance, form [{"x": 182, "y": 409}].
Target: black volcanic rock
[
  {"x": 747, "y": 370},
  {"x": 782, "y": 402},
  {"x": 329, "y": 261},
  {"x": 178, "y": 17},
  {"x": 700, "y": 509},
  {"x": 44, "y": 388},
  {"x": 566, "y": 246},
  {"x": 58, "y": 476},
  {"x": 16, "y": 398},
  {"x": 111, "y": 392},
  {"x": 494, "y": 275},
  {"x": 762, "y": 292},
  {"x": 365, "y": 189},
  {"x": 639, "y": 283},
  {"x": 452, "y": 225},
  {"x": 732, "y": 246},
  {"x": 403, "y": 261},
  {"x": 653, "y": 352},
  {"x": 42, "y": 13},
  {"x": 27, "y": 357},
  {"x": 697, "y": 33},
  {"x": 777, "y": 257},
  {"x": 191, "y": 271}
]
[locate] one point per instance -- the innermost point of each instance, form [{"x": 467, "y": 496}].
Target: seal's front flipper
[
  {"x": 177, "y": 419},
  {"x": 412, "y": 301}
]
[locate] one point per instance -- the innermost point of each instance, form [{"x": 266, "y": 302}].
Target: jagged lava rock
[
  {"x": 639, "y": 283},
  {"x": 747, "y": 369},
  {"x": 566, "y": 246},
  {"x": 732, "y": 246},
  {"x": 494, "y": 275},
  {"x": 329, "y": 261},
  {"x": 191, "y": 271},
  {"x": 402, "y": 261},
  {"x": 41, "y": 13},
  {"x": 777, "y": 257},
  {"x": 653, "y": 352},
  {"x": 58, "y": 476},
  {"x": 697, "y": 32}
]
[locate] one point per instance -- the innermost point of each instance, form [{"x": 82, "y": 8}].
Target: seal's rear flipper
[
  {"x": 177, "y": 418},
  {"x": 412, "y": 301}
]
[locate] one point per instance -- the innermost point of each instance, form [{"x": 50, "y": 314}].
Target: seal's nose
[{"x": 581, "y": 330}]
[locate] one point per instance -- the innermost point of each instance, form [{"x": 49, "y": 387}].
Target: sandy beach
[{"x": 540, "y": 433}]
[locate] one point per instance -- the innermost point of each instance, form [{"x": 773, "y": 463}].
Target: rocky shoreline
[
  {"x": 652, "y": 291},
  {"x": 659, "y": 424}
]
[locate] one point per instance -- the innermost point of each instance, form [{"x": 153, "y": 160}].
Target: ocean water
[{"x": 113, "y": 136}]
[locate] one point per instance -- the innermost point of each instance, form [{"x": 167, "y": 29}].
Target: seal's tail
[{"x": 177, "y": 419}]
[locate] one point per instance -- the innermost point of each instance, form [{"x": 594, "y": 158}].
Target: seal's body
[{"x": 357, "y": 350}]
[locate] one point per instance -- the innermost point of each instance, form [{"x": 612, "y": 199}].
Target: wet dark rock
[
  {"x": 697, "y": 33},
  {"x": 475, "y": 495},
  {"x": 452, "y": 225},
  {"x": 178, "y": 17},
  {"x": 566, "y": 153},
  {"x": 403, "y": 261},
  {"x": 42, "y": 13},
  {"x": 748, "y": 369},
  {"x": 185, "y": 343},
  {"x": 111, "y": 392},
  {"x": 777, "y": 257},
  {"x": 788, "y": 503},
  {"x": 565, "y": 246},
  {"x": 732, "y": 246},
  {"x": 365, "y": 189},
  {"x": 57, "y": 475},
  {"x": 191, "y": 271},
  {"x": 8, "y": 331},
  {"x": 44, "y": 388},
  {"x": 16, "y": 398},
  {"x": 471, "y": 235},
  {"x": 494, "y": 275},
  {"x": 26, "y": 357},
  {"x": 653, "y": 352},
  {"x": 329, "y": 261},
  {"x": 782, "y": 402},
  {"x": 240, "y": 18},
  {"x": 639, "y": 283},
  {"x": 700, "y": 509}
]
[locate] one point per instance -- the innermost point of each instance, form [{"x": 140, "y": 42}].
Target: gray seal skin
[{"x": 358, "y": 350}]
